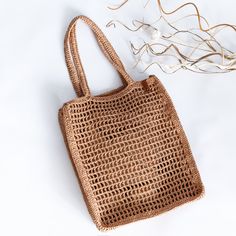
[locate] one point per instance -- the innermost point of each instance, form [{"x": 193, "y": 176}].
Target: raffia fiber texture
[{"x": 128, "y": 147}]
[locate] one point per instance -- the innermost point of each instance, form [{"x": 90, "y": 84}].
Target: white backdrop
[{"x": 39, "y": 193}]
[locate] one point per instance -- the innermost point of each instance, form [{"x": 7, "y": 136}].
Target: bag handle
[{"x": 73, "y": 60}]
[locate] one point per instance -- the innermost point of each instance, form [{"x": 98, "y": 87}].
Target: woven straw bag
[{"x": 127, "y": 147}]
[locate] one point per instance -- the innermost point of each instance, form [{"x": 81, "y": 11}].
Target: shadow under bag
[{"x": 128, "y": 148}]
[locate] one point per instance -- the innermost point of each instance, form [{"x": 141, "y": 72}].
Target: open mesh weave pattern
[{"x": 130, "y": 153}]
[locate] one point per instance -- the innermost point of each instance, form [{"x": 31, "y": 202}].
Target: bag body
[{"x": 128, "y": 148}]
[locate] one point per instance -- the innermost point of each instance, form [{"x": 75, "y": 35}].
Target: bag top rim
[{"x": 114, "y": 93}]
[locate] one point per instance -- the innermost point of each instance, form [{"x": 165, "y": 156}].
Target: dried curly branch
[
  {"x": 119, "y": 6},
  {"x": 197, "y": 14},
  {"x": 201, "y": 52}
]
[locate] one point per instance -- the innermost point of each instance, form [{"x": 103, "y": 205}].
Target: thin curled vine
[{"x": 202, "y": 52}]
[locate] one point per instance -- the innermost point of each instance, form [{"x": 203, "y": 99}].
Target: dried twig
[
  {"x": 199, "y": 56},
  {"x": 119, "y": 6}
]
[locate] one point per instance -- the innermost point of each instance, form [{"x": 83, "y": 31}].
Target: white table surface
[{"x": 39, "y": 192}]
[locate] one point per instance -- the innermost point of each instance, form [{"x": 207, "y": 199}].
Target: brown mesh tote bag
[{"x": 128, "y": 148}]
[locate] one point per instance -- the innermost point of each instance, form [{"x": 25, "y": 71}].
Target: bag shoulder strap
[{"x": 73, "y": 60}]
